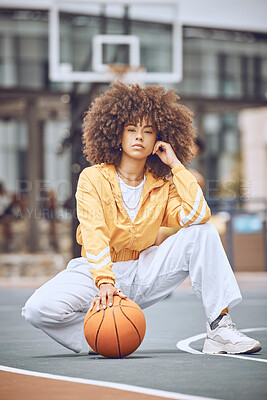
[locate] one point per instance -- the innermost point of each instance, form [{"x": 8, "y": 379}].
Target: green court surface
[{"x": 158, "y": 363}]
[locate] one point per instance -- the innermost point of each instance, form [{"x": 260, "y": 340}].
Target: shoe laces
[{"x": 235, "y": 330}]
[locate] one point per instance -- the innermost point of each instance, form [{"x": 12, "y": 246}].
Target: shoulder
[
  {"x": 94, "y": 171},
  {"x": 86, "y": 176},
  {"x": 88, "y": 172},
  {"x": 95, "y": 174}
]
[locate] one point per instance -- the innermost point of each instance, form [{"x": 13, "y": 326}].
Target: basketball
[{"x": 116, "y": 331}]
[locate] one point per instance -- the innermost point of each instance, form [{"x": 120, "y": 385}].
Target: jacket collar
[{"x": 109, "y": 172}]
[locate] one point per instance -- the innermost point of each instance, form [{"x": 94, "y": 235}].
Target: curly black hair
[{"x": 104, "y": 122}]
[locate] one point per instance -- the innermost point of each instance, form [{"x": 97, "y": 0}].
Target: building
[{"x": 224, "y": 54}]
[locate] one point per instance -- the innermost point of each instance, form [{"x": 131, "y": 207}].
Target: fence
[
  {"x": 243, "y": 229},
  {"x": 243, "y": 233}
]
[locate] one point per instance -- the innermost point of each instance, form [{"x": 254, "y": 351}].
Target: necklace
[
  {"x": 139, "y": 187},
  {"x": 131, "y": 180},
  {"x": 131, "y": 208},
  {"x": 138, "y": 200}
]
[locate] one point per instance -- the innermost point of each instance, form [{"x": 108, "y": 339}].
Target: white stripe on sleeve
[
  {"x": 100, "y": 265},
  {"x": 185, "y": 219},
  {"x": 99, "y": 255},
  {"x": 201, "y": 215}
]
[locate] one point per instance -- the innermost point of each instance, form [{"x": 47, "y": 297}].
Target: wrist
[
  {"x": 175, "y": 163},
  {"x": 105, "y": 285}
]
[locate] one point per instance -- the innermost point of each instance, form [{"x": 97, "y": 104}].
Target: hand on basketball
[
  {"x": 165, "y": 152},
  {"x": 106, "y": 293}
]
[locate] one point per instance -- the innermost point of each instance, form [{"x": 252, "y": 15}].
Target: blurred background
[{"x": 56, "y": 56}]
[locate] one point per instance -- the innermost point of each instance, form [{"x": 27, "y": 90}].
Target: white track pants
[{"x": 59, "y": 306}]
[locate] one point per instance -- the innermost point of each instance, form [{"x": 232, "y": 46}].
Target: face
[{"x": 138, "y": 140}]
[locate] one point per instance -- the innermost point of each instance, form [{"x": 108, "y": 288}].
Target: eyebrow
[{"x": 146, "y": 126}]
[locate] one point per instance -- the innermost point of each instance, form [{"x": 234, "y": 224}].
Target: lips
[{"x": 138, "y": 146}]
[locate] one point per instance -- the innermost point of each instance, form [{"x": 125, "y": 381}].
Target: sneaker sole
[{"x": 212, "y": 347}]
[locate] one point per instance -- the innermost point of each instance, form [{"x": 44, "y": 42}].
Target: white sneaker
[{"x": 227, "y": 339}]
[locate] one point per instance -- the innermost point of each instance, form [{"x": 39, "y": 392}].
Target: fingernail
[
  {"x": 104, "y": 307},
  {"x": 110, "y": 304},
  {"x": 97, "y": 308}
]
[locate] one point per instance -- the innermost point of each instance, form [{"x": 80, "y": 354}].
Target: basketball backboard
[{"x": 88, "y": 38}]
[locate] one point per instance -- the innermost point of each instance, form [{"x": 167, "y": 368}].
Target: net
[{"x": 127, "y": 74}]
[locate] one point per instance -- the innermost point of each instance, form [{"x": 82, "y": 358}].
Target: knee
[
  {"x": 39, "y": 311},
  {"x": 32, "y": 312},
  {"x": 206, "y": 229}
]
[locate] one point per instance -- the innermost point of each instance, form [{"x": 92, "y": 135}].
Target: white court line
[
  {"x": 184, "y": 345},
  {"x": 112, "y": 385}
]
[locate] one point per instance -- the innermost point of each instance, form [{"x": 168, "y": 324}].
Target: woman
[{"x": 137, "y": 137}]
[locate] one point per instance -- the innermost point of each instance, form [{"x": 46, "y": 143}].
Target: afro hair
[{"x": 104, "y": 122}]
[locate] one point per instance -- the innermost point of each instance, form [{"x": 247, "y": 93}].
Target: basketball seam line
[
  {"x": 118, "y": 305},
  {"x": 98, "y": 330},
  {"x": 133, "y": 325},
  {"x": 125, "y": 305},
  {"x": 90, "y": 316},
  {"x": 85, "y": 322},
  {"x": 118, "y": 340}
]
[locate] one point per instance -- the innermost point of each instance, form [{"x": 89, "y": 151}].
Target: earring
[{"x": 120, "y": 148}]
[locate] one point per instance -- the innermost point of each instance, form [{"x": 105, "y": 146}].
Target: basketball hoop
[
  {"x": 103, "y": 47},
  {"x": 127, "y": 74}
]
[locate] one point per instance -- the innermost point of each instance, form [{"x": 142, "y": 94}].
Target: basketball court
[
  {"x": 34, "y": 366},
  {"x": 91, "y": 43}
]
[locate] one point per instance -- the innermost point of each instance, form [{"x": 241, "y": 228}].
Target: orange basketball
[{"x": 116, "y": 331}]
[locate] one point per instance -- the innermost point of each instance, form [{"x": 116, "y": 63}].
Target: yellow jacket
[{"x": 106, "y": 232}]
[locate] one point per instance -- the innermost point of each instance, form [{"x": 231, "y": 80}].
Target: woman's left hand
[
  {"x": 167, "y": 154},
  {"x": 106, "y": 292}
]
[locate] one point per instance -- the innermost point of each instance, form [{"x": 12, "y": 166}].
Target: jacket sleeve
[
  {"x": 94, "y": 231},
  {"x": 186, "y": 203}
]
